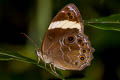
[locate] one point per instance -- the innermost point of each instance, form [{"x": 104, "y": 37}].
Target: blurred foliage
[{"x": 101, "y": 18}]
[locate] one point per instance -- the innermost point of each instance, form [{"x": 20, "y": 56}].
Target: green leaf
[
  {"x": 106, "y": 23},
  {"x": 5, "y": 55},
  {"x": 5, "y": 58}
]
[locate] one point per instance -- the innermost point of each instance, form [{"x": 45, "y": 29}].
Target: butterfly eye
[{"x": 82, "y": 58}]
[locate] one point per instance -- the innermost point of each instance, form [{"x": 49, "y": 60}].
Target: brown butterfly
[{"x": 65, "y": 45}]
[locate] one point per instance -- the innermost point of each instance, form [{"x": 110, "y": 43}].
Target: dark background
[{"x": 33, "y": 17}]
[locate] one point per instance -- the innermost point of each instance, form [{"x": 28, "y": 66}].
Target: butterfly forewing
[{"x": 68, "y": 17}]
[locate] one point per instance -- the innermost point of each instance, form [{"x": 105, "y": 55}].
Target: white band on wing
[{"x": 65, "y": 24}]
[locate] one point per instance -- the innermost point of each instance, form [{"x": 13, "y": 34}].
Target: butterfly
[{"x": 65, "y": 46}]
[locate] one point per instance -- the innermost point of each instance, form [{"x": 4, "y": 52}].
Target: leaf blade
[
  {"x": 5, "y": 58},
  {"x": 106, "y": 23}
]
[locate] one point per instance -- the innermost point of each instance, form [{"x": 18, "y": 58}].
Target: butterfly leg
[
  {"x": 38, "y": 60},
  {"x": 40, "y": 56},
  {"x": 53, "y": 69}
]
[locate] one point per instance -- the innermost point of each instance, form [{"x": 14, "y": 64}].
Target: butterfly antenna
[{"x": 30, "y": 40}]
